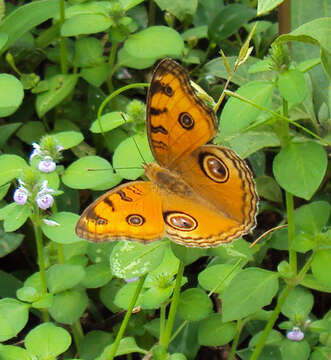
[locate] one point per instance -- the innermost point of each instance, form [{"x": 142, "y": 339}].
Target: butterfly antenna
[{"x": 134, "y": 140}]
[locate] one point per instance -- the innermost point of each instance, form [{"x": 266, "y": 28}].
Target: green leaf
[
  {"x": 292, "y": 86},
  {"x": 108, "y": 121},
  {"x": 11, "y": 352},
  {"x": 89, "y": 52},
  {"x": 97, "y": 275},
  {"x": 68, "y": 139},
  {"x": 31, "y": 132},
  {"x": 86, "y": 24},
  {"x": 298, "y": 303},
  {"x": 268, "y": 188},
  {"x": 78, "y": 175},
  {"x": 9, "y": 242},
  {"x": 47, "y": 341},
  {"x": 274, "y": 338},
  {"x": 229, "y": 20},
  {"x": 100, "y": 252},
  {"x": 260, "y": 92},
  {"x": 127, "y": 346},
  {"x": 64, "y": 233},
  {"x": 295, "y": 350},
  {"x": 321, "y": 266},
  {"x": 108, "y": 293},
  {"x": 61, "y": 277},
  {"x": 60, "y": 86},
  {"x": 198, "y": 32},
  {"x": 157, "y": 42},
  {"x": 9, "y": 285},
  {"x": 125, "y": 294},
  {"x": 264, "y": 6},
  {"x": 311, "y": 218},
  {"x": 299, "y": 168},
  {"x": 180, "y": 9},
  {"x": 221, "y": 334},
  {"x": 95, "y": 75},
  {"x": 14, "y": 216},
  {"x": 93, "y": 344},
  {"x": 130, "y": 259},
  {"x": 231, "y": 253},
  {"x": 68, "y": 306},
  {"x": 248, "y": 292},
  {"x": 128, "y": 159},
  {"x": 33, "y": 14},
  {"x": 6, "y": 131},
  {"x": 11, "y": 94},
  {"x": 217, "y": 277},
  {"x": 155, "y": 296},
  {"x": 27, "y": 294},
  {"x": 13, "y": 317},
  {"x": 194, "y": 305}
]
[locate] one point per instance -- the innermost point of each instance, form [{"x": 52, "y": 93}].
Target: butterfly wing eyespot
[
  {"x": 180, "y": 221},
  {"x": 214, "y": 167},
  {"x": 135, "y": 219}
]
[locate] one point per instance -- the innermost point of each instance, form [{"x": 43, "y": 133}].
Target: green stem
[
  {"x": 291, "y": 232},
  {"x": 162, "y": 320},
  {"x": 63, "y": 41},
  {"x": 41, "y": 259},
  {"x": 111, "y": 61},
  {"x": 173, "y": 306},
  {"x": 235, "y": 340},
  {"x": 126, "y": 319},
  {"x": 276, "y": 115},
  {"x": 151, "y": 13},
  {"x": 77, "y": 333}
]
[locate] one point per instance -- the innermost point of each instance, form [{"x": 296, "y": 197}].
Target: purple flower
[
  {"x": 21, "y": 195},
  {"x": 36, "y": 151},
  {"x": 44, "y": 201},
  {"x": 295, "y": 334},
  {"x": 47, "y": 165},
  {"x": 131, "y": 279}
]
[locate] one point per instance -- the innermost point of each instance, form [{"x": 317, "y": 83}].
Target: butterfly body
[{"x": 198, "y": 195}]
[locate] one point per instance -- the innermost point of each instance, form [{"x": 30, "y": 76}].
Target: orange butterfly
[{"x": 198, "y": 195}]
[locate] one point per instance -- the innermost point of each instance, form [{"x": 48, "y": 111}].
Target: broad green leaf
[
  {"x": 4, "y": 190},
  {"x": 9, "y": 242},
  {"x": 108, "y": 293},
  {"x": 97, "y": 275},
  {"x": 128, "y": 4},
  {"x": 108, "y": 121},
  {"x": 6, "y": 131},
  {"x": 231, "y": 253},
  {"x": 61, "y": 277},
  {"x": 31, "y": 132},
  {"x": 320, "y": 353},
  {"x": 15, "y": 217},
  {"x": 47, "y": 341},
  {"x": 127, "y": 346},
  {"x": 221, "y": 334},
  {"x": 9, "y": 284},
  {"x": 11, "y": 352},
  {"x": 89, "y": 52},
  {"x": 194, "y": 305},
  {"x": 198, "y": 32},
  {"x": 95, "y": 75},
  {"x": 87, "y": 172},
  {"x": 321, "y": 266},
  {"x": 68, "y": 306},
  {"x": 125, "y": 294},
  {"x": 292, "y": 86},
  {"x": 260, "y": 92},
  {"x": 298, "y": 303},
  {"x": 229, "y": 20},
  {"x": 3, "y": 40},
  {"x": 69, "y": 139},
  {"x": 248, "y": 292},
  {"x": 13, "y": 317},
  {"x": 295, "y": 350},
  {"x": 264, "y": 6},
  {"x": 27, "y": 294},
  {"x": 299, "y": 168},
  {"x": 11, "y": 94},
  {"x": 274, "y": 338},
  {"x": 33, "y": 14},
  {"x": 86, "y": 24},
  {"x": 180, "y": 9},
  {"x": 157, "y": 42},
  {"x": 128, "y": 160},
  {"x": 130, "y": 259},
  {"x": 154, "y": 297},
  {"x": 216, "y": 278},
  {"x": 60, "y": 86},
  {"x": 99, "y": 253},
  {"x": 93, "y": 344},
  {"x": 64, "y": 232},
  {"x": 268, "y": 188},
  {"x": 187, "y": 254}
]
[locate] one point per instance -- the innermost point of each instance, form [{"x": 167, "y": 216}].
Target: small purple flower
[
  {"x": 131, "y": 279},
  {"x": 44, "y": 201},
  {"x": 21, "y": 195},
  {"x": 47, "y": 165},
  {"x": 295, "y": 334},
  {"x": 36, "y": 151}
]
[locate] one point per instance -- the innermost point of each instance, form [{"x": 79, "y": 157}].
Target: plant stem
[
  {"x": 162, "y": 320},
  {"x": 111, "y": 62},
  {"x": 173, "y": 306},
  {"x": 77, "y": 333},
  {"x": 291, "y": 232},
  {"x": 41, "y": 260},
  {"x": 235, "y": 340},
  {"x": 126, "y": 318},
  {"x": 63, "y": 42}
]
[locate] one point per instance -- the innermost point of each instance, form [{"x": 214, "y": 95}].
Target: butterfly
[{"x": 197, "y": 195}]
